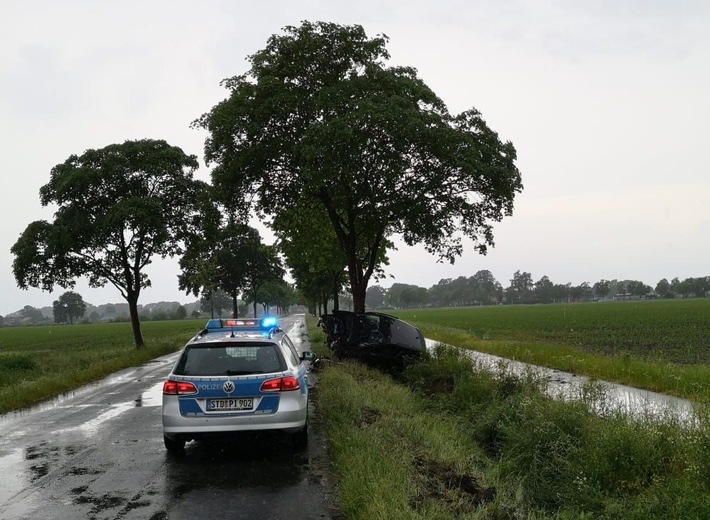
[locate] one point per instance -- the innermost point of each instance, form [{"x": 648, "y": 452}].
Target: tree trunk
[
  {"x": 235, "y": 309},
  {"x": 336, "y": 302},
  {"x": 359, "y": 290},
  {"x": 132, "y": 300}
]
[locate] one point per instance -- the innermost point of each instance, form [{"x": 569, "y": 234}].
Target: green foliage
[
  {"x": 117, "y": 208},
  {"x": 317, "y": 337},
  {"x": 262, "y": 266},
  {"x": 17, "y": 362},
  {"x": 542, "y": 458},
  {"x": 375, "y": 297},
  {"x": 528, "y": 456},
  {"x": 320, "y": 121},
  {"x": 403, "y": 296},
  {"x": 312, "y": 252},
  {"x": 214, "y": 302},
  {"x": 32, "y": 315},
  {"x": 69, "y": 307},
  {"x": 230, "y": 258}
]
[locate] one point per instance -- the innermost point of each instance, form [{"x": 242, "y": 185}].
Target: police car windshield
[{"x": 230, "y": 359}]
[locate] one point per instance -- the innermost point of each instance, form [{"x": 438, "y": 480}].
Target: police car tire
[
  {"x": 173, "y": 445},
  {"x": 300, "y": 438}
]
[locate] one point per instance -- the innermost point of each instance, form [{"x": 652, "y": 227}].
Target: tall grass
[
  {"x": 559, "y": 458},
  {"x": 457, "y": 441}
]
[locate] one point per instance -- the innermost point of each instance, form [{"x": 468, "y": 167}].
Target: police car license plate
[{"x": 230, "y": 405}]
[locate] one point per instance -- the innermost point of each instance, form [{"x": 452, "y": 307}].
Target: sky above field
[{"x": 606, "y": 103}]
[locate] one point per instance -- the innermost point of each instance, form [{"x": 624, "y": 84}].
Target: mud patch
[
  {"x": 79, "y": 490},
  {"x": 440, "y": 385},
  {"x": 101, "y": 503},
  {"x": 369, "y": 417},
  {"x": 42, "y": 456},
  {"x": 135, "y": 504},
  {"x": 437, "y": 481},
  {"x": 79, "y": 471}
]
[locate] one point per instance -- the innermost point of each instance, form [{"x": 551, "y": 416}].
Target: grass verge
[
  {"x": 37, "y": 363},
  {"x": 456, "y": 441}
]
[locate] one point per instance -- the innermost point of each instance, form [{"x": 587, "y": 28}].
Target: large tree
[
  {"x": 216, "y": 257},
  {"x": 68, "y": 307},
  {"x": 320, "y": 120},
  {"x": 262, "y": 266},
  {"x": 117, "y": 208}
]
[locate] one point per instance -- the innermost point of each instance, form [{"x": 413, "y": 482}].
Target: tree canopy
[
  {"x": 218, "y": 257},
  {"x": 117, "y": 208},
  {"x": 68, "y": 307},
  {"x": 320, "y": 120},
  {"x": 262, "y": 266}
]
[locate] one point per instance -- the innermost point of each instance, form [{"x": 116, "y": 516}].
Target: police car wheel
[
  {"x": 300, "y": 438},
  {"x": 174, "y": 445}
]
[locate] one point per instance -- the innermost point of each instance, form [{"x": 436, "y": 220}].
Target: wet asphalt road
[{"x": 98, "y": 453}]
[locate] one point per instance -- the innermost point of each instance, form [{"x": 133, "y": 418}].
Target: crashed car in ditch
[{"x": 372, "y": 337}]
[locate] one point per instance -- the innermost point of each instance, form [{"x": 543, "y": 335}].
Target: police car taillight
[
  {"x": 282, "y": 384},
  {"x": 178, "y": 388}
]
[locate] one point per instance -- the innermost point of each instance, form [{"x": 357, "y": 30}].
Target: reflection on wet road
[
  {"x": 98, "y": 453},
  {"x": 250, "y": 476}
]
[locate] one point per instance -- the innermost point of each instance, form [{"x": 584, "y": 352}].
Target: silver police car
[{"x": 236, "y": 375}]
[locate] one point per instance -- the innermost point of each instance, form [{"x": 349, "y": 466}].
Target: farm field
[
  {"x": 43, "y": 361},
  {"x": 659, "y": 345}
]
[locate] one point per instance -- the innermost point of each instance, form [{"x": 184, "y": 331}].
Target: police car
[{"x": 236, "y": 375}]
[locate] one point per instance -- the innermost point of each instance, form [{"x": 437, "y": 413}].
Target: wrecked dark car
[{"x": 376, "y": 339}]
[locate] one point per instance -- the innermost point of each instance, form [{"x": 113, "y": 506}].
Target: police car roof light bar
[{"x": 264, "y": 324}]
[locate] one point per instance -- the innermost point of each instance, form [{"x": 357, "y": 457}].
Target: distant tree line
[
  {"x": 483, "y": 289},
  {"x": 71, "y": 308}
]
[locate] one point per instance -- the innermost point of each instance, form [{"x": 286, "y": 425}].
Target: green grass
[
  {"x": 456, "y": 441},
  {"x": 657, "y": 345},
  {"x": 40, "y": 362},
  {"x": 392, "y": 456}
]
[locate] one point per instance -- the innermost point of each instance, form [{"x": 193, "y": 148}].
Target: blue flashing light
[
  {"x": 265, "y": 324},
  {"x": 269, "y": 322}
]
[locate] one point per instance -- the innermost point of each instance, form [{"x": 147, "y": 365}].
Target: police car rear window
[{"x": 230, "y": 360}]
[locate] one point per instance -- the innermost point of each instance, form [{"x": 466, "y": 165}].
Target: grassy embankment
[
  {"x": 41, "y": 362},
  {"x": 455, "y": 441},
  {"x": 662, "y": 346}
]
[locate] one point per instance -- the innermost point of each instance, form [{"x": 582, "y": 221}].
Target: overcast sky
[{"x": 607, "y": 103}]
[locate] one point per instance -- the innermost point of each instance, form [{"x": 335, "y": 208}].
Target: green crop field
[
  {"x": 39, "y": 362},
  {"x": 660, "y": 345},
  {"x": 677, "y": 330}
]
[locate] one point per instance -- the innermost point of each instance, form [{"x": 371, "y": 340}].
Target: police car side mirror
[{"x": 307, "y": 356}]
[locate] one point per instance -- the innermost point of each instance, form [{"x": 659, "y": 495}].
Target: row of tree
[
  {"x": 479, "y": 289},
  {"x": 335, "y": 150},
  {"x": 483, "y": 289}
]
